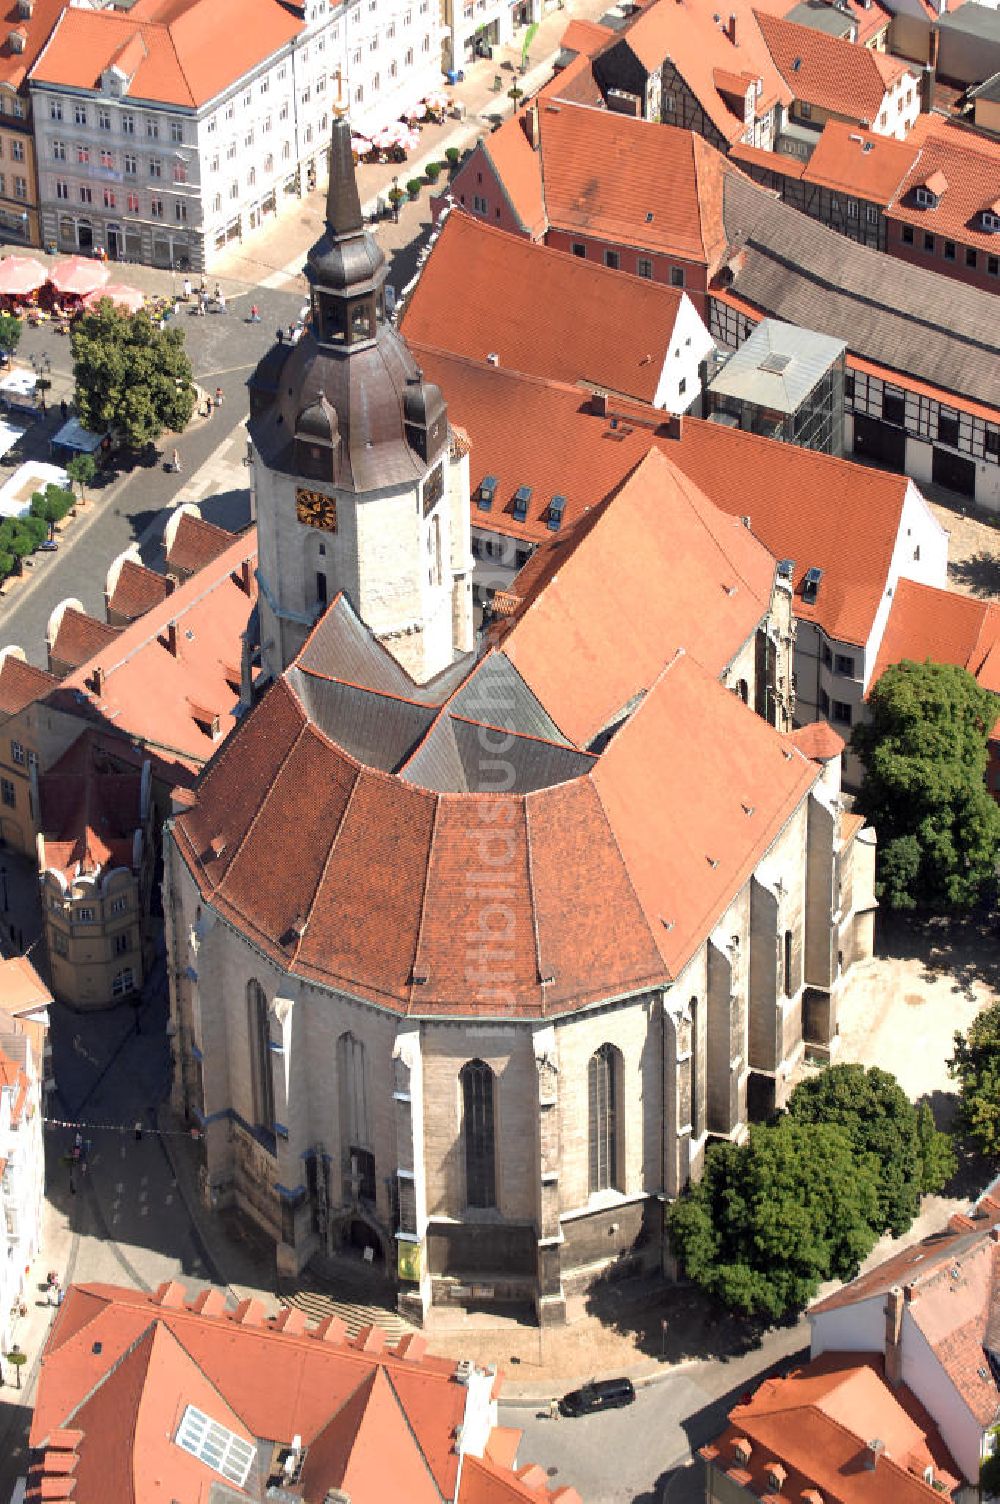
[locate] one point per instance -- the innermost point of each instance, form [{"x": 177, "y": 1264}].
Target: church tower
[{"x": 358, "y": 484}]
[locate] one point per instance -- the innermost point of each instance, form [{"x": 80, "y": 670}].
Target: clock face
[{"x": 316, "y": 510}]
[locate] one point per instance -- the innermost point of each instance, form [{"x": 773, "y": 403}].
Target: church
[{"x": 480, "y": 932}]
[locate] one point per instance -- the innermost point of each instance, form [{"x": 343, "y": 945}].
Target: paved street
[{"x": 133, "y": 507}]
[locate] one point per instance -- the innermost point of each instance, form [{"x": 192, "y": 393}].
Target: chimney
[
  {"x": 599, "y": 404},
  {"x": 244, "y": 576},
  {"x": 170, "y": 583},
  {"x": 873, "y": 1452},
  {"x": 97, "y": 680},
  {"x": 927, "y": 85},
  {"x": 731, "y": 28},
  {"x": 675, "y": 426},
  {"x": 894, "y": 1303},
  {"x": 171, "y": 643},
  {"x": 529, "y": 124}
]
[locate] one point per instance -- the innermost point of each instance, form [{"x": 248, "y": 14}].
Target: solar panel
[{"x": 215, "y": 1445}]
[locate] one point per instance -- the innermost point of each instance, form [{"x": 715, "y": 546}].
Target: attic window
[
  {"x": 18, "y": 41},
  {"x": 215, "y": 1445},
  {"x": 925, "y": 198},
  {"x": 522, "y": 496},
  {"x": 991, "y": 221},
  {"x": 556, "y": 508},
  {"x": 487, "y": 492},
  {"x": 649, "y": 216},
  {"x": 810, "y": 585}
]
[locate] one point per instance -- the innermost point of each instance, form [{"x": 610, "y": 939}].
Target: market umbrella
[
  {"x": 21, "y": 274},
  {"x": 77, "y": 275},
  {"x": 125, "y": 297},
  {"x": 360, "y": 145},
  {"x": 437, "y": 101},
  {"x": 384, "y": 139}
]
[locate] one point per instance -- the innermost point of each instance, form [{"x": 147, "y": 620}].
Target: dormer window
[
  {"x": 925, "y": 198},
  {"x": 25, "y": 9},
  {"x": 991, "y": 219},
  {"x": 929, "y": 193},
  {"x": 18, "y": 41}
]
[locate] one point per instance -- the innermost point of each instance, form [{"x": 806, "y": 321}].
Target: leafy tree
[
  {"x": 879, "y": 1119},
  {"x": 36, "y": 530},
  {"x": 772, "y": 1219},
  {"x": 10, "y": 333},
  {"x": 975, "y": 1065},
  {"x": 6, "y": 563},
  {"x": 52, "y": 504},
  {"x": 924, "y": 788},
  {"x": 81, "y": 468},
  {"x": 131, "y": 375}
]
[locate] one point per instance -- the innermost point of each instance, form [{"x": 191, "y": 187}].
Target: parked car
[{"x": 599, "y": 1394}]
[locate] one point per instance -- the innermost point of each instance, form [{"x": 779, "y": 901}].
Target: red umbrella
[
  {"x": 121, "y": 295},
  {"x": 77, "y": 275},
  {"x": 20, "y": 275}
]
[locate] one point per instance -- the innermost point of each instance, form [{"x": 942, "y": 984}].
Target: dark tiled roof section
[
  {"x": 80, "y": 636},
  {"x": 496, "y": 694},
  {"x": 138, "y": 590},
  {"x": 341, "y": 647},
  {"x": 461, "y": 756},
  {"x": 196, "y": 542},
  {"x": 21, "y": 684},
  {"x": 377, "y": 729},
  {"x": 911, "y": 320}
]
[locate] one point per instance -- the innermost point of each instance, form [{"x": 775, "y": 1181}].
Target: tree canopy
[
  {"x": 879, "y": 1119},
  {"x": 10, "y": 333},
  {"x": 131, "y": 375},
  {"x": 772, "y": 1219},
  {"x": 924, "y": 789},
  {"x": 975, "y": 1065}
]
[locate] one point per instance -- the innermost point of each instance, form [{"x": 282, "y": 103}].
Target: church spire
[{"x": 343, "y": 206}]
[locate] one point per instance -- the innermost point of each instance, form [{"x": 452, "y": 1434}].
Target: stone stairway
[{"x": 354, "y": 1313}]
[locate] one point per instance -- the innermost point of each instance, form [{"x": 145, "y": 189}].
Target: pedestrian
[
  {"x": 64, "y": 409},
  {"x": 279, "y": 335},
  {"x": 208, "y": 407},
  {"x": 291, "y": 334},
  {"x": 175, "y": 463},
  {"x": 219, "y": 396},
  {"x": 254, "y": 314},
  {"x": 187, "y": 288},
  {"x": 220, "y": 301},
  {"x": 218, "y": 292},
  {"x": 553, "y": 1409}
]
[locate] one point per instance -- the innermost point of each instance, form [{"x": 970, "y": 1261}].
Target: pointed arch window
[
  {"x": 477, "y": 1083},
  {"x": 603, "y": 1089},
  {"x": 355, "y": 1121},
  {"x": 259, "y": 1033}
]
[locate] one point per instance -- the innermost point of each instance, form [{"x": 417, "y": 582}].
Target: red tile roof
[
  {"x": 818, "y": 740},
  {"x": 34, "y": 30},
  {"x": 965, "y": 168},
  {"x": 859, "y": 162},
  {"x": 518, "y": 169},
  {"x": 121, "y": 1368},
  {"x": 485, "y": 292},
  {"x": 21, "y": 683},
  {"x": 812, "y": 1429},
  {"x": 137, "y": 589},
  {"x": 181, "y": 54},
  {"x": 756, "y": 156},
  {"x": 195, "y": 542},
  {"x": 718, "y": 784},
  {"x": 786, "y": 491},
  {"x": 14, "y": 1080},
  {"x": 946, "y": 627},
  {"x": 829, "y": 72},
  {"x": 619, "y": 180},
  {"x": 586, "y": 37},
  {"x": 158, "y": 695},
  {"x": 951, "y": 1282},
  {"x": 21, "y": 988},
  {"x": 695, "y": 40},
  {"x": 90, "y": 807},
  {"x": 78, "y": 637}
]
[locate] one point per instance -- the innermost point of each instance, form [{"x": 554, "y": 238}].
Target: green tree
[
  {"x": 10, "y": 333},
  {"x": 879, "y": 1119},
  {"x": 52, "y": 504},
  {"x": 6, "y": 563},
  {"x": 924, "y": 789},
  {"x": 131, "y": 375},
  {"x": 771, "y": 1219},
  {"x": 81, "y": 468},
  {"x": 975, "y": 1065}
]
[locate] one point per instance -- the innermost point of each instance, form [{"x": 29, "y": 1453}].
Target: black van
[{"x": 599, "y": 1394}]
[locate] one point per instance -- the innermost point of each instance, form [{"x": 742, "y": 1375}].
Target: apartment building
[
  {"x": 166, "y": 134},
  {"x": 22, "y": 1154},
  {"x": 29, "y": 23}
]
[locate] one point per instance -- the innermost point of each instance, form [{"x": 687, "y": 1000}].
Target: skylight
[{"x": 215, "y": 1445}]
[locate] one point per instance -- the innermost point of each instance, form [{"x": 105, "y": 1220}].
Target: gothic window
[
  {"x": 355, "y": 1126},
  {"x": 789, "y": 988},
  {"x": 603, "y": 1081},
  {"x": 478, "y": 1134},
  {"x": 262, "y": 1081}
]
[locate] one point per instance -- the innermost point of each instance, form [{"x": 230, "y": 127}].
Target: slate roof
[
  {"x": 911, "y": 320},
  {"x": 485, "y": 292}
]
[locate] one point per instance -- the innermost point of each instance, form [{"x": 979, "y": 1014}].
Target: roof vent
[
  {"x": 797, "y": 64},
  {"x": 493, "y": 358},
  {"x": 873, "y": 1452},
  {"x": 774, "y": 363},
  {"x": 522, "y": 497},
  {"x": 745, "y": 519},
  {"x": 854, "y": 136},
  {"x": 556, "y": 508},
  {"x": 786, "y": 569}
]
